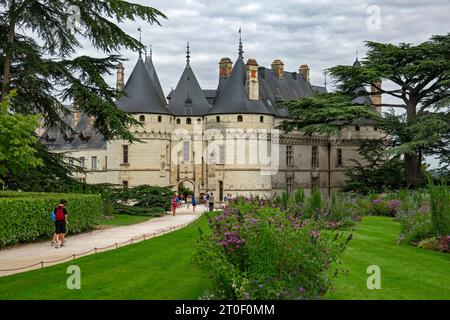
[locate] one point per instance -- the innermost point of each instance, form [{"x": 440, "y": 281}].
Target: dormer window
[
  {"x": 141, "y": 118},
  {"x": 239, "y": 118},
  {"x": 188, "y": 101}
]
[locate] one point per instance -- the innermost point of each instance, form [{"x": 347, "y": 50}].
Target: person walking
[
  {"x": 207, "y": 200},
  {"x": 60, "y": 223},
  {"x": 174, "y": 203},
  {"x": 55, "y": 235},
  {"x": 211, "y": 202},
  {"x": 194, "y": 203}
]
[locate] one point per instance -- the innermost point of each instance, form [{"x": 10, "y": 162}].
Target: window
[
  {"x": 106, "y": 163},
  {"x": 94, "y": 163},
  {"x": 290, "y": 185},
  {"x": 357, "y": 128},
  {"x": 188, "y": 121},
  {"x": 141, "y": 118},
  {"x": 82, "y": 160},
  {"x": 125, "y": 184},
  {"x": 217, "y": 119},
  {"x": 314, "y": 182},
  {"x": 239, "y": 119},
  {"x": 199, "y": 121},
  {"x": 159, "y": 118},
  {"x": 178, "y": 121},
  {"x": 125, "y": 154},
  {"x": 261, "y": 119},
  {"x": 289, "y": 162},
  {"x": 315, "y": 156},
  {"x": 339, "y": 157},
  {"x": 186, "y": 150},
  {"x": 375, "y": 128}
]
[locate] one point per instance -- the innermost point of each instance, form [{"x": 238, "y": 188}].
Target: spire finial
[
  {"x": 140, "y": 40},
  {"x": 240, "y": 44},
  {"x": 325, "y": 73},
  {"x": 151, "y": 52},
  {"x": 188, "y": 56},
  {"x": 357, "y": 54}
]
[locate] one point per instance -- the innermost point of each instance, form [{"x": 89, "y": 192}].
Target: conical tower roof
[
  {"x": 188, "y": 97},
  {"x": 141, "y": 95},
  {"x": 155, "y": 80}
]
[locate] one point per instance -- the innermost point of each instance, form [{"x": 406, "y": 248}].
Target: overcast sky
[{"x": 320, "y": 33}]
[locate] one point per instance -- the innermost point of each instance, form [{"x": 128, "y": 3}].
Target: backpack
[
  {"x": 52, "y": 216},
  {"x": 59, "y": 214}
]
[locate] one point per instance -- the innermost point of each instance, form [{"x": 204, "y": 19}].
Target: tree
[
  {"x": 43, "y": 71},
  {"x": 17, "y": 153},
  {"x": 420, "y": 76}
]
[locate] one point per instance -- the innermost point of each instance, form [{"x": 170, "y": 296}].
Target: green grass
[
  {"x": 159, "y": 268},
  {"x": 164, "y": 268},
  {"x": 407, "y": 272},
  {"x": 124, "y": 220}
]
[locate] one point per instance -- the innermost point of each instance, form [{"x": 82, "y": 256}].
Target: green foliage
[
  {"x": 326, "y": 114},
  {"x": 45, "y": 71},
  {"x": 17, "y": 153},
  {"x": 299, "y": 196},
  {"x": 440, "y": 208},
  {"x": 25, "y": 217},
  {"x": 147, "y": 200},
  {"x": 314, "y": 204},
  {"x": 259, "y": 252}
]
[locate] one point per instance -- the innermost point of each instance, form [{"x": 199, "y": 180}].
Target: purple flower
[
  {"x": 301, "y": 289},
  {"x": 376, "y": 201},
  {"x": 247, "y": 296}
]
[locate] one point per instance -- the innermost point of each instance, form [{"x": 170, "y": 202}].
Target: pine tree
[
  {"x": 38, "y": 58},
  {"x": 420, "y": 79}
]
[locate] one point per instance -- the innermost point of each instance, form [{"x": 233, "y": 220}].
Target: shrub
[
  {"x": 265, "y": 253},
  {"x": 148, "y": 198},
  {"x": 342, "y": 212},
  {"x": 379, "y": 207},
  {"x": 314, "y": 204},
  {"x": 415, "y": 225},
  {"x": 26, "y": 217},
  {"x": 440, "y": 208}
]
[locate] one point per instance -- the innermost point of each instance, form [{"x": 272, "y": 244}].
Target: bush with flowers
[{"x": 258, "y": 251}]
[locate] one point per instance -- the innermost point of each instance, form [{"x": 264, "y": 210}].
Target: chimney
[
  {"x": 278, "y": 67},
  {"x": 251, "y": 79},
  {"x": 120, "y": 76},
  {"x": 225, "y": 66},
  {"x": 376, "y": 95},
  {"x": 76, "y": 115},
  {"x": 90, "y": 123},
  {"x": 304, "y": 70}
]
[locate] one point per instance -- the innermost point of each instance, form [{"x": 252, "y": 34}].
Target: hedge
[{"x": 25, "y": 216}]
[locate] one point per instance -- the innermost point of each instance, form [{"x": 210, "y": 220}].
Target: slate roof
[
  {"x": 155, "y": 80},
  {"x": 188, "y": 97},
  {"x": 142, "y": 94},
  {"x": 83, "y": 137},
  {"x": 232, "y": 98}
]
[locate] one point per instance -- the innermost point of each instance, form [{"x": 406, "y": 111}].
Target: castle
[{"x": 223, "y": 140}]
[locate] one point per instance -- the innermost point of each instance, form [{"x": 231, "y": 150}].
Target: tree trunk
[
  {"x": 412, "y": 170},
  {"x": 6, "y": 82},
  {"x": 413, "y": 162}
]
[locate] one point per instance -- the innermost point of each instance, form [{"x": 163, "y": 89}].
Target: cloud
[{"x": 320, "y": 33}]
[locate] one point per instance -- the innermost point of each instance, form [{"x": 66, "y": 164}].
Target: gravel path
[{"x": 83, "y": 244}]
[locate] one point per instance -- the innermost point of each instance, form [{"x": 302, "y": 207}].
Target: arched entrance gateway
[{"x": 186, "y": 187}]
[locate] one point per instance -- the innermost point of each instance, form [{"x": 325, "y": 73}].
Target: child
[{"x": 174, "y": 204}]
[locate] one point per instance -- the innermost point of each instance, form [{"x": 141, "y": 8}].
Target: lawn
[
  {"x": 160, "y": 268},
  {"x": 163, "y": 268},
  {"x": 407, "y": 272},
  {"x": 123, "y": 220}
]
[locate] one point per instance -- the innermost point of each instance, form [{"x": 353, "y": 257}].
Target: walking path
[{"x": 33, "y": 254}]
